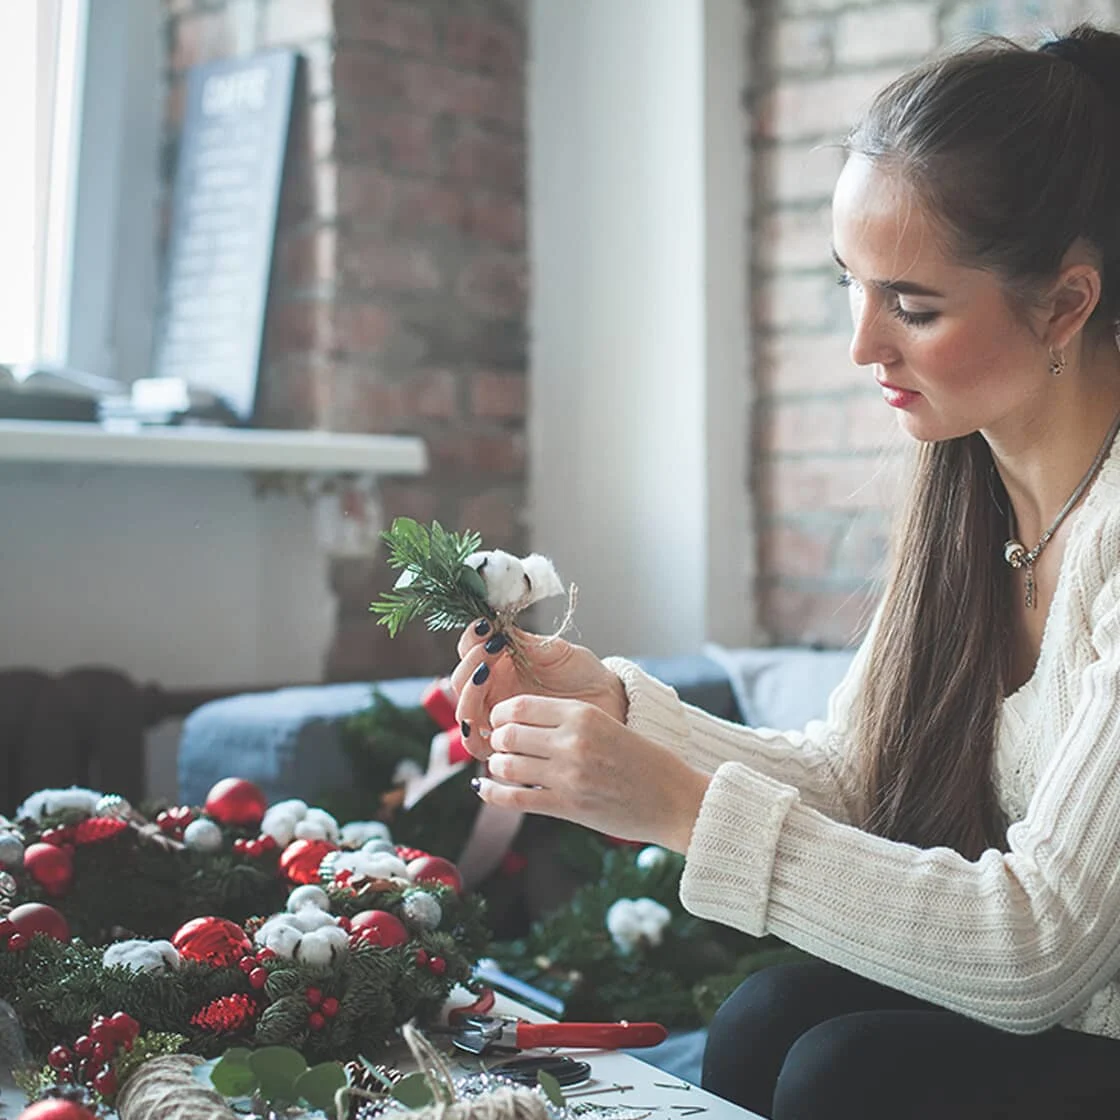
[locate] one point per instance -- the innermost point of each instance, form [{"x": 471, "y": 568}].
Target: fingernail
[
  {"x": 476, "y": 784},
  {"x": 495, "y": 643},
  {"x": 481, "y": 673},
  {"x": 465, "y": 728},
  {"x": 482, "y": 627}
]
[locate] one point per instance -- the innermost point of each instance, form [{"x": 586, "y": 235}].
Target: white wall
[{"x": 638, "y": 406}]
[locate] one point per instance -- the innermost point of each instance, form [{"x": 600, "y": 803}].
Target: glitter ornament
[
  {"x": 96, "y": 829},
  {"x": 421, "y": 911},
  {"x": 227, "y": 1013},
  {"x": 215, "y": 941},
  {"x": 37, "y": 917},
  {"x": 235, "y": 801},
  {"x": 301, "y": 859},
  {"x": 52, "y": 868}
]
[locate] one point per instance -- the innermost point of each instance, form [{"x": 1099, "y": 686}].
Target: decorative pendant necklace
[{"x": 1015, "y": 552}]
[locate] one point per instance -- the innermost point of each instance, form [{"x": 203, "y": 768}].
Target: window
[{"x": 41, "y": 52}]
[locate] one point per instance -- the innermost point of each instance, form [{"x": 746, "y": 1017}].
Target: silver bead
[{"x": 1014, "y": 553}]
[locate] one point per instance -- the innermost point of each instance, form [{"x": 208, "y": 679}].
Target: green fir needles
[{"x": 435, "y": 582}]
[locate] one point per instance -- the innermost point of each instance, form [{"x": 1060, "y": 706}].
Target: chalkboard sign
[{"x": 210, "y": 325}]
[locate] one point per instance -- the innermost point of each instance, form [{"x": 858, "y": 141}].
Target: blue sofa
[{"x": 288, "y": 741}]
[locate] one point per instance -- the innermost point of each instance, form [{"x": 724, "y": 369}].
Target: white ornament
[
  {"x": 651, "y": 858},
  {"x": 308, "y": 895},
  {"x": 203, "y": 835},
  {"x": 421, "y": 910},
  {"x": 141, "y": 956},
  {"x": 355, "y": 834}
]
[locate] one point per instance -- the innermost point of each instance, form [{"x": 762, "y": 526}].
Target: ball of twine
[{"x": 166, "y": 1089}]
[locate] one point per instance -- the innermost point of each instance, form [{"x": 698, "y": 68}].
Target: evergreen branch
[{"x": 435, "y": 582}]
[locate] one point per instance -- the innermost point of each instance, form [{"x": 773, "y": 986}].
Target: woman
[{"x": 947, "y": 841}]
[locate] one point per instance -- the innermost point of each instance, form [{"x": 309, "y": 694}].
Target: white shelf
[{"x": 36, "y": 441}]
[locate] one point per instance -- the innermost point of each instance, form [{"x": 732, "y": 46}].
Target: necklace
[{"x": 1015, "y": 552}]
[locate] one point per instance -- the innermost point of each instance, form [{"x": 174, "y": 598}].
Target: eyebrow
[{"x": 901, "y": 287}]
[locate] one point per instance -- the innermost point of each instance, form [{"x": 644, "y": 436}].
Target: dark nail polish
[
  {"x": 476, "y": 784},
  {"x": 465, "y": 728},
  {"x": 495, "y": 643},
  {"x": 482, "y": 627},
  {"x": 481, "y": 673}
]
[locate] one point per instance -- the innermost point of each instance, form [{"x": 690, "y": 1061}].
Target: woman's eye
[
  {"x": 845, "y": 279},
  {"x": 914, "y": 318}
]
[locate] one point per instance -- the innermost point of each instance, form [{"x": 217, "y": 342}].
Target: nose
[{"x": 871, "y": 334}]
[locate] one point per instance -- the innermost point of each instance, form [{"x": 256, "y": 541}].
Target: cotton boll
[
  {"x": 379, "y": 847},
  {"x": 338, "y": 939},
  {"x": 203, "y": 835},
  {"x": 50, "y": 801},
  {"x": 141, "y": 956},
  {"x": 315, "y": 950},
  {"x": 310, "y": 830},
  {"x": 308, "y": 895},
  {"x": 624, "y": 925},
  {"x": 543, "y": 580},
  {"x": 291, "y": 807},
  {"x": 311, "y": 918},
  {"x": 168, "y": 952},
  {"x": 324, "y": 819},
  {"x": 11, "y": 850},
  {"x": 507, "y": 583},
  {"x": 356, "y": 834},
  {"x": 280, "y": 824},
  {"x": 282, "y": 940},
  {"x": 384, "y": 866}
]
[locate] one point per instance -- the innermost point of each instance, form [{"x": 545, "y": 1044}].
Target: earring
[{"x": 1057, "y": 362}]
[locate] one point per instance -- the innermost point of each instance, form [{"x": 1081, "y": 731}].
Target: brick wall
[
  {"x": 399, "y": 296},
  {"x": 827, "y": 447}
]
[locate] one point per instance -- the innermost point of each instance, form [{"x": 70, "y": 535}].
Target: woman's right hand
[{"x": 488, "y": 673}]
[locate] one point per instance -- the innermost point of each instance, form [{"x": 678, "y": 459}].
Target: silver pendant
[{"x": 1013, "y": 553}]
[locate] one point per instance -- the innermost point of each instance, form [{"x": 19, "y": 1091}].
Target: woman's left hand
[{"x": 567, "y": 758}]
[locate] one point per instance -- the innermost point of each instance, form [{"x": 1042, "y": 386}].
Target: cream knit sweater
[{"x": 1022, "y": 940}]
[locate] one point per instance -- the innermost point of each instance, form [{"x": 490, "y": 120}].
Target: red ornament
[
  {"x": 456, "y": 748},
  {"x": 227, "y": 1013},
  {"x": 301, "y": 858},
  {"x": 439, "y": 702},
  {"x": 436, "y": 869},
  {"x": 38, "y": 917},
  {"x": 52, "y": 868},
  {"x": 99, "y": 828},
  {"x": 55, "y": 1108},
  {"x": 216, "y": 941},
  {"x": 378, "y": 927},
  {"x": 235, "y": 801}
]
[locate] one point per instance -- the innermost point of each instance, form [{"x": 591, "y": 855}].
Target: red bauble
[
  {"x": 55, "y": 1108},
  {"x": 439, "y": 702},
  {"x": 378, "y": 927},
  {"x": 52, "y": 868},
  {"x": 215, "y": 941},
  {"x": 38, "y": 917},
  {"x": 301, "y": 858},
  {"x": 236, "y": 801},
  {"x": 436, "y": 869},
  {"x": 96, "y": 829}
]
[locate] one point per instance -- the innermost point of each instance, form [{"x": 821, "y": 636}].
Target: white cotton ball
[
  {"x": 379, "y": 847},
  {"x": 277, "y": 921},
  {"x": 168, "y": 952},
  {"x": 651, "y": 858},
  {"x": 308, "y": 895},
  {"x": 325, "y": 821},
  {"x": 507, "y": 584},
  {"x": 310, "y": 830},
  {"x": 382, "y": 865},
  {"x": 624, "y": 925},
  {"x": 355, "y": 834},
  {"x": 282, "y": 940},
  {"x": 140, "y": 956},
  {"x": 47, "y": 802},
  {"x": 653, "y": 918},
  {"x": 543, "y": 580},
  {"x": 314, "y": 950},
  {"x": 311, "y": 917},
  {"x": 291, "y": 807},
  {"x": 203, "y": 835},
  {"x": 421, "y": 910},
  {"x": 336, "y": 937},
  {"x": 280, "y": 825}
]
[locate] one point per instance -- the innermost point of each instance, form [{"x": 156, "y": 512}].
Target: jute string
[{"x": 165, "y": 1089}]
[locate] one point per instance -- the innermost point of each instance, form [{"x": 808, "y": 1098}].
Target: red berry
[
  {"x": 7, "y": 928},
  {"x": 316, "y": 1021},
  {"x": 59, "y": 1058},
  {"x": 17, "y": 942},
  {"x": 421, "y": 956},
  {"x": 240, "y": 846},
  {"x": 66, "y": 1075},
  {"x": 106, "y": 1082},
  {"x": 246, "y": 964},
  {"x": 266, "y": 955},
  {"x": 344, "y": 923},
  {"x": 438, "y": 965},
  {"x": 83, "y": 1046},
  {"x": 124, "y": 1027},
  {"x": 258, "y": 977},
  {"x": 102, "y": 1052},
  {"x": 268, "y": 843},
  {"x": 329, "y": 1007},
  {"x": 314, "y": 996}
]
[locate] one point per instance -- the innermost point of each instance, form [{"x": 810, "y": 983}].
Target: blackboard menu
[{"x": 210, "y": 325}]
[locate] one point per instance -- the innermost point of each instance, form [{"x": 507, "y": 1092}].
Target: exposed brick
[
  {"x": 306, "y": 258},
  {"x": 795, "y": 302},
  {"x": 299, "y": 326},
  {"x": 800, "y": 551},
  {"x": 823, "y": 107},
  {"x": 498, "y": 396},
  {"x": 496, "y": 218},
  {"x": 895, "y": 32},
  {"x": 369, "y": 262},
  {"x": 821, "y": 484},
  {"x": 479, "y": 42},
  {"x": 495, "y": 284},
  {"x": 424, "y": 206},
  {"x": 295, "y": 392},
  {"x": 403, "y": 25},
  {"x": 798, "y": 173},
  {"x": 354, "y": 581},
  {"x": 803, "y": 45},
  {"x": 478, "y": 453},
  {"x": 834, "y": 619},
  {"x": 872, "y": 425},
  {"x": 495, "y": 515},
  {"x": 362, "y": 650},
  {"x": 796, "y": 363},
  {"x": 201, "y": 37},
  {"x": 294, "y": 22},
  {"x": 795, "y": 239},
  {"x": 361, "y": 327},
  {"x": 804, "y": 425},
  {"x": 365, "y": 402},
  {"x": 310, "y": 192},
  {"x": 364, "y": 192},
  {"x": 399, "y": 141},
  {"x": 488, "y": 160}
]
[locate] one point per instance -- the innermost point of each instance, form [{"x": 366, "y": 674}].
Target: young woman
[{"x": 947, "y": 842}]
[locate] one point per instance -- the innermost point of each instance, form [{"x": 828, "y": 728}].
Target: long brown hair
[{"x": 1013, "y": 153}]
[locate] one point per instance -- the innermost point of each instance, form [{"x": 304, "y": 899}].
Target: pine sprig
[{"x": 435, "y": 582}]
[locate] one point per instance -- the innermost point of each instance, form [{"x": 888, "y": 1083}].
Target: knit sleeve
[
  {"x": 1018, "y": 939},
  {"x": 813, "y": 760}
]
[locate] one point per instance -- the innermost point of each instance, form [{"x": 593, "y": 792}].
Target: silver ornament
[
  {"x": 112, "y": 805},
  {"x": 328, "y": 867},
  {"x": 203, "y": 835},
  {"x": 7, "y": 889},
  {"x": 651, "y": 858},
  {"x": 11, "y": 850},
  {"x": 421, "y": 910}
]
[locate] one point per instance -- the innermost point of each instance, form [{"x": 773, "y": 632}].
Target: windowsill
[{"x": 51, "y": 441}]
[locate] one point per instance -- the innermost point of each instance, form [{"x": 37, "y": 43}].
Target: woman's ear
[{"x": 1073, "y": 298}]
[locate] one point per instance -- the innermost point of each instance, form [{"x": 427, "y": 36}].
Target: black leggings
[{"x": 809, "y": 1041}]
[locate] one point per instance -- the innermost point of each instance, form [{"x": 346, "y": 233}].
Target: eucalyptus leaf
[
  {"x": 277, "y": 1069},
  {"x": 413, "y": 1091},
  {"x": 320, "y": 1083},
  {"x": 473, "y": 582},
  {"x": 233, "y": 1077},
  {"x": 375, "y": 1071},
  {"x": 551, "y": 1087}
]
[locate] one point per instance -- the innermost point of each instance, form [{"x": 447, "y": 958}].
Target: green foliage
[
  {"x": 435, "y": 582},
  {"x": 277, "y": 1076}
]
